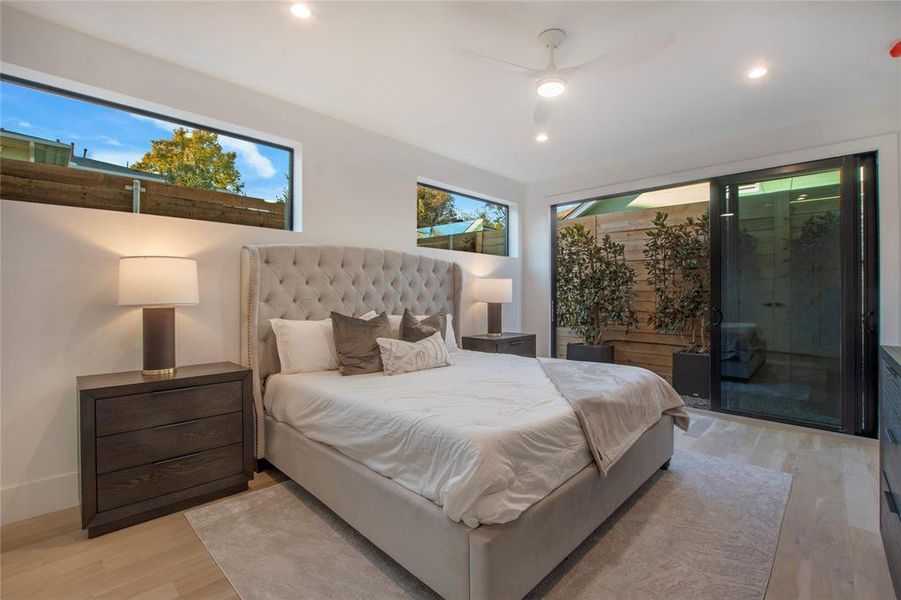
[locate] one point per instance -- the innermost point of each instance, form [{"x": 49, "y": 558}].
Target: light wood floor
[{"x": 829, "y": 546}]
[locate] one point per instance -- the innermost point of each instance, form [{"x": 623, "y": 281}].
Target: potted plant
[
  {"x": 594, "y": 291},
  {"x": 679, "y": 272}
]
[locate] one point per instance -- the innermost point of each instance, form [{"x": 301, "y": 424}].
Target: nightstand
[
  {"x": 522, "y": 344},
  {"x": 149, "y": 446}
]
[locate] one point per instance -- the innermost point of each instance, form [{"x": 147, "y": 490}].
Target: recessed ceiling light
[
  {"x": 551, "y": 87},
  {"x": 301, "y": 11},
  {"x": 541, "y": 137},
  {"x": 757, "y": 72}
]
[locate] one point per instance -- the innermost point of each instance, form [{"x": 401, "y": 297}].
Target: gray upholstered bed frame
[{"x": 490, "y": 561}]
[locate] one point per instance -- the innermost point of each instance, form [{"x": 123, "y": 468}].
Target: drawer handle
[
  {"x": 890, "y": 500},
  {"x": 516, "y": 343},
  {"x": 168, "y": 425},
  {"x": 891, "y": 435},
  {"x": 162, "y": 462}
]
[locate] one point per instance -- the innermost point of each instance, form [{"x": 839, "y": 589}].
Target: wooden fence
[
  {"x": 642, "y": 347},
  {"x": 50, "y": 184},
  {"x": 488, "y": 241}
]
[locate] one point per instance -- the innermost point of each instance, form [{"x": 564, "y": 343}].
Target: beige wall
[{"x": 58, "y": 299}]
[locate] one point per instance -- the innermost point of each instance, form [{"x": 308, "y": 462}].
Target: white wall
[
  {"x": 58, "y": 285},
  {"x": 846, "y": 134}
]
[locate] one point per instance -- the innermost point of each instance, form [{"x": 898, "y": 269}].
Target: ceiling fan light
[
  {"x": 551, "y": 87},
  {"x": 541, "y": 137}
]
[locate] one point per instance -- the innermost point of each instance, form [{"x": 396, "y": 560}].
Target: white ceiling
[{"x": 391, "y": 67}]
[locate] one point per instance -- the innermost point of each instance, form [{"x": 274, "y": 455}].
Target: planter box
[
  {"x": 691, "y": 374},
  {"x": 589, "y": 353}
]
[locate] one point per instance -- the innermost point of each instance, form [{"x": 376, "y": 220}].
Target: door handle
[
  {"x": 890, "y": 500},
  {"x": 717, "y": 316}
]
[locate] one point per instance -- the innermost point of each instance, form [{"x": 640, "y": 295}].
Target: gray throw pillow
[
  {"x": 356, "y": 345},
  {"x": 413, "y": 330}
]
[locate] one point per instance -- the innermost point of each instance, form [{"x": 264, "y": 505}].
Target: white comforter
[{"x": 484, "y": 438}]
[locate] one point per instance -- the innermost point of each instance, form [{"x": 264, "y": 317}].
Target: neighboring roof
[
  {"x": 452, "y": 228},
  {"x": 31, "y": 138},
  {"x": 89, "y": 164}
]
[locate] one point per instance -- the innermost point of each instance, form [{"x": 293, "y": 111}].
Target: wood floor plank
[{"x": 829, "y": 545}]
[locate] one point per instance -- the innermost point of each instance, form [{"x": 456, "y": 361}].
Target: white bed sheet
[{"x": 484, "y": 438}]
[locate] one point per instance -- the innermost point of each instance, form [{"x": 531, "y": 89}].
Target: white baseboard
[{"x": 34, "y": 498}]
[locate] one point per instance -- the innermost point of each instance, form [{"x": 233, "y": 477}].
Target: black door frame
[
  {"x": 859, "y": 301},
  {"x": 863, "y": 419}
]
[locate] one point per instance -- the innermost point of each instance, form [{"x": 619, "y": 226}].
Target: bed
[{"x": 495, "y": 542}]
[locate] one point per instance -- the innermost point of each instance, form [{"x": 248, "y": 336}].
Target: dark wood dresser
[
  {"x": 890, "y": 459},
  {"x": 149, "y": 446},
  {"x": 522, "y": 344}
]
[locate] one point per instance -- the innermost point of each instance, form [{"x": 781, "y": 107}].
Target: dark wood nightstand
[
  {"x": 149, "y": 446},
  {"x": 522, "y": 344}
]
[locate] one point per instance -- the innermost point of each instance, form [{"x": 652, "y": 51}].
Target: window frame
[
  {"x": 292, "y": 223},
  {"x": 471, "y": 196}
]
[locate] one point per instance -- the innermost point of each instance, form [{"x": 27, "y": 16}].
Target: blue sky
[
  {"x": 466, "y": 205},
  {"x": 120, "y": 137}
]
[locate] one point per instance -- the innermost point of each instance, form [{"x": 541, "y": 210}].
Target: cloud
[
  {"x": 24, "y": 124},
  {"x": 117, "y": 157},
  {"x": 110, "y": 141},
  {"x": 249, "y": 153}
]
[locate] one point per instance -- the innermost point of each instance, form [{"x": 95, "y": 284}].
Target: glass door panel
[{"x": 780, "y": 297}]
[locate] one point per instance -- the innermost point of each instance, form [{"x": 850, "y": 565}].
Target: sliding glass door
[{"x": 793, "y": 294}]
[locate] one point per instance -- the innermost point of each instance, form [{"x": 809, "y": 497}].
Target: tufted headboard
[{"x": 291, "y": 281}]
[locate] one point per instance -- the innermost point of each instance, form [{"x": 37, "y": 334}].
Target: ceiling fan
[{"x": 551, "y": 81}]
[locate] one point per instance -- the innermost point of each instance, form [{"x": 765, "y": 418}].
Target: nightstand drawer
[
  {"x": 133, "y": 448},
  {"x": 143, "y": 411},
  {"x": 162, "y": 477},
  {"x": 524, "y": 347}
]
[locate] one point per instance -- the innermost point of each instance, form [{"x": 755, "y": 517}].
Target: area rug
[{"x": 707, "y": 528}]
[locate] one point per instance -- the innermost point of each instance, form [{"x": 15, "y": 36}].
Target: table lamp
[
  {"x": 159, "y": 284},
  {"x": 494, "y": 292}
]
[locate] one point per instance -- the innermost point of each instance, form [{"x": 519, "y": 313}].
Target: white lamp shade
[
  {"x": 494, "y": 290},
  {"x": 157, "y": 281}
]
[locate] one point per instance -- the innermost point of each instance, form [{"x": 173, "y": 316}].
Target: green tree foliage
[
  {"x": 492, "y": 215},
  {"x": 434, "y": 207},
  {"x": 594, "y": 285},
  {"x": 679, "y": 271},
  {"x": 285, "y": 195},
  {"x": 193, "y": 159}
]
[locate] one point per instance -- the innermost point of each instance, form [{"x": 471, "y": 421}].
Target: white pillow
[
  {"x": 450, "y": 338},
  {"x": 400, "y": 357},
  {"x": 305, "y": 346}
]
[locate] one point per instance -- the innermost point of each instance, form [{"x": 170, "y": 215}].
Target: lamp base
[
  {"x": 495, "y": 329},
  {"x": 158, "y": 372},
  {"x": 159, "y": 342}
]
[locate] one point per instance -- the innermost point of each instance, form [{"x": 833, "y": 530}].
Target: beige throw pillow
[
  {"x": 400, "y": 357},
  {"x": 355, "y": 343}
]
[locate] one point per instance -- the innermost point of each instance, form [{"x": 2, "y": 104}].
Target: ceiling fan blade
[
  {"x": 509, "y": 66},
  {"x": 626, "y": 56},
  {"x": 542, "y": 113}
]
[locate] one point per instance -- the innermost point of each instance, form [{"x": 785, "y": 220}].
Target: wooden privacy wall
[
  {"x": 488, "y": 241},
  {"x": 51, "y": 184},
  {"x": 642, "y": 347}
]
